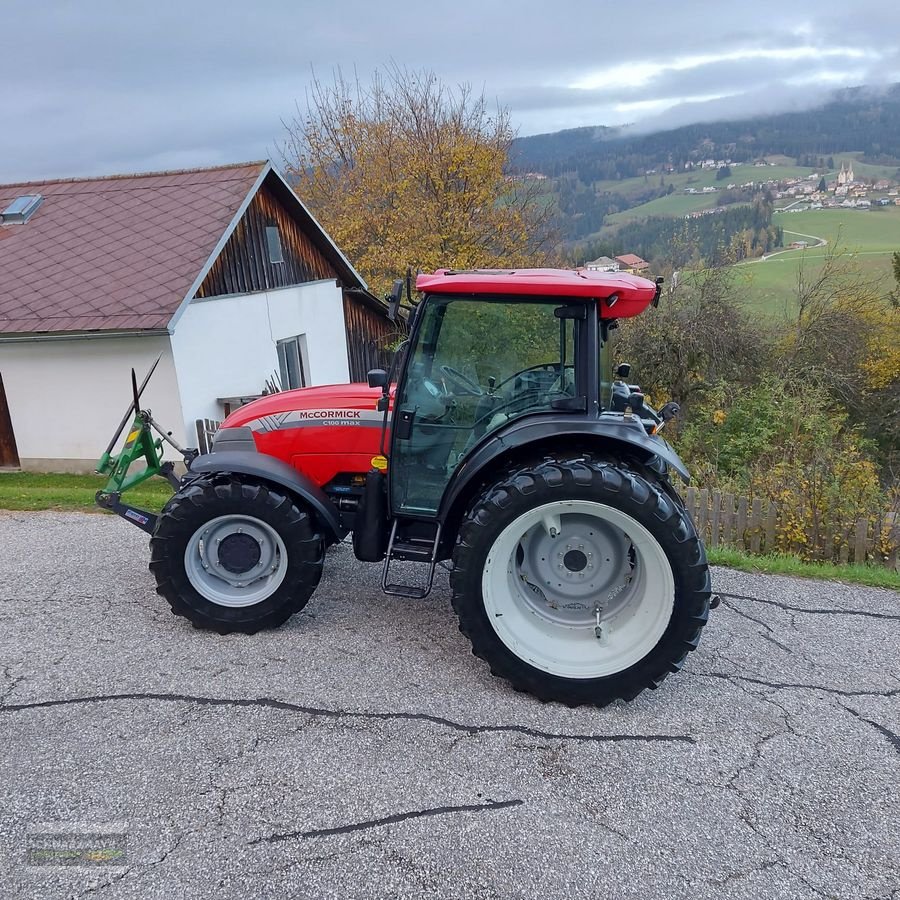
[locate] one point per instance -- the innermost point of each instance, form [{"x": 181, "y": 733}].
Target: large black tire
[
  {"x": 614, "y": 484},
  {"x": 206, "y": 499}
]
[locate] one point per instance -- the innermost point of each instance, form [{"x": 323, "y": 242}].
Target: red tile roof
[
  {"x": 117, "y": 253},
  {"x": 631, "y": 259}
]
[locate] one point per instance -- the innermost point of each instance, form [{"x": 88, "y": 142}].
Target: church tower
[{"x": 845, "y": 176}]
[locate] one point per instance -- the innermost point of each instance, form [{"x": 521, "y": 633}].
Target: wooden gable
[{"x": 245, "y": 264}]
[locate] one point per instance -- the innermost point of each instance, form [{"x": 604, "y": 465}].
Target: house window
[
  {"x": 273, "y": 239},
  {"x": 290, "y": 363}
]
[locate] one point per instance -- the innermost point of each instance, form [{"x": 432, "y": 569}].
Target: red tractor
[{"x": 502, "y": 440}]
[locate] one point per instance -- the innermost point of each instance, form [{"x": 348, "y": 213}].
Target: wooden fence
[
  {"x": 206, "y": 431},
  {"x": 757, "y": 526}
]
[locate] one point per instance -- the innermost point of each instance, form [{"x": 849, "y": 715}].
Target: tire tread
[
  {"x": 625, "y": 485},
  {"x": 206, "y": 498}
]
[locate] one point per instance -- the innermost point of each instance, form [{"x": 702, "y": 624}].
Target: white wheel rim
[
  {"x": 540, "y": 595},
  {"x": 212, "y": 578}
]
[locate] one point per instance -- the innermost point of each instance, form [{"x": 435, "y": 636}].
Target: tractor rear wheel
[
  {"x": 580, "y": 580},
  {"x": 235, "y": 555}
]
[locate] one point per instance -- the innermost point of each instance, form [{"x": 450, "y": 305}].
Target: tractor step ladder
[{"x": 410, "y": 549}]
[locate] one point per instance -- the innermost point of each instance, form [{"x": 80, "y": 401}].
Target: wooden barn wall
[
  {"x": 243, "y": 266},
  {"x": 370, "y": 338}
]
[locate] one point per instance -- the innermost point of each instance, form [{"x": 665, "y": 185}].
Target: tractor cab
[
  {"x": 489, "y": 348},
  {"x": 472, "y": 367},
  {"x": 495, "y": 359}
]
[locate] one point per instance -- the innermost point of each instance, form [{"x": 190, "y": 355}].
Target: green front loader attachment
[{"x": 140, "y": 446}]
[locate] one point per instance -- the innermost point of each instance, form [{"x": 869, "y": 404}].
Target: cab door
[{"x": 473, "y": 365}]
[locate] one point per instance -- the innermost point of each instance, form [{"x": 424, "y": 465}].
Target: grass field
[
  {"x": 673, "y": 205},
  {"x": 27, "y": 490},
  {"x": 867, "y": 237},
  {"x": 770, "y": 287},
  {"x": 680, "y": 203},
  {"x": 865, "y": 230},
  {"x": 874, "y": 576}
]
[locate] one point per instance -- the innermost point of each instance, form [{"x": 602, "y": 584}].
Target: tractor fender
[
  {"x": 576, "y": 431},
  {"x": 268, "y": 468}
]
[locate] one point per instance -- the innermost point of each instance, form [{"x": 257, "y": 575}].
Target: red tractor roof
[{"x": 632, "y": 293}]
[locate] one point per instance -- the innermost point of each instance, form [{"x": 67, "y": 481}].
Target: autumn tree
[
  {"x": 894, "y": 295},
  {"x": 839, "y": 329},
  {"x": 700, "y": 334},
  {"x": 843, "y": 334},
  {"x": 406, "y": 171}
]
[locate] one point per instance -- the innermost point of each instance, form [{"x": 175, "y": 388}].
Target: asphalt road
[{"x": 362, "y": 751}]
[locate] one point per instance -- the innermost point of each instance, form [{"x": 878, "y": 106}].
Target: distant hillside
[
  {"x": 604, "y": 179},
  {"x": 858, "y": 119}
]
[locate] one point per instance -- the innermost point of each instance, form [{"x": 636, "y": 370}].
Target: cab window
[{"x": 475, "y": 366}]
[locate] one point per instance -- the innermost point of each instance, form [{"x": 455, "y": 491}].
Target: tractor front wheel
[
  {"x": 233, "y": 555},
  {"x": 580, "y": 581}
]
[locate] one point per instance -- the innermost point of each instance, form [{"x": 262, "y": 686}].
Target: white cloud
[{"x": 642, "y": 73}]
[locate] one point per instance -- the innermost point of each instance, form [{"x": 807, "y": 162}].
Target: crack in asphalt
[
  {"x": 111, "y": 880},
  {"x": 786, "y": 685},
  {"x": 769, "y": 629},
  {"x": 14, "y": 682},
  {"x": 893, "y": 738},
  {"x": 837, "y": 611},
  {"x": 744, "y": 873},
  {"x": 387, "y": 820},
  {"x": 272, "y": 703}
]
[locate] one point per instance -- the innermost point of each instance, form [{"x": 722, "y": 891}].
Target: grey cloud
[
  {"x": 103, "y": 86},
  {"x": 734, "y": 106},
  {"x": 722, "y": 77}
]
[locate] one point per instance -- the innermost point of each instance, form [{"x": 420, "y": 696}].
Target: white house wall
[
  {"x": 67, "y": 396},
  {"x": 226, "y": 346}
]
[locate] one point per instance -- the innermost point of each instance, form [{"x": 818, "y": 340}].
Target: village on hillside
[
  {"x": 813, "y": 191},
  {"x": 629, "y": 263}
]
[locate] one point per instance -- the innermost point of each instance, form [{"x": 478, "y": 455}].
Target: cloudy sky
[{"x": 101, "y": 86}]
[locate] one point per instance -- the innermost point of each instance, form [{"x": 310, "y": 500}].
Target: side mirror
[
  {"x": 669, "y": 411},
  {"x": 636, "y": 401},
  {"x": 377, "y": 378},
  {"x": 394, "y": 298}
]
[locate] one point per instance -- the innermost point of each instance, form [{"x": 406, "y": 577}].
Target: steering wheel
[
  {"x": 463, "y": 382},
  {"x": 547, "y": 367}
]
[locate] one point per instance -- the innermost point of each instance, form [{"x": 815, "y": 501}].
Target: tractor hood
[
  {"x": 326, "y": 432},
  {"x": 326, "y": 403}
]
